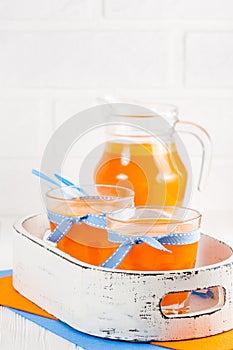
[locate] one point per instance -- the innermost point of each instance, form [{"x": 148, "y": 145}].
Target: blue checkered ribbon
[
  {"x": 64, "y": 224},
  {"x": 157, "y": 242}
]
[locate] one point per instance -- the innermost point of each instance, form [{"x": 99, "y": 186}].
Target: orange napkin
[
  {"x": 11, "y": 298},
  {"x": 222, "y": 341}
]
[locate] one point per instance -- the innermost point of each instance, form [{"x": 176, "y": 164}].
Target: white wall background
[{"x": 56, "y": 57}]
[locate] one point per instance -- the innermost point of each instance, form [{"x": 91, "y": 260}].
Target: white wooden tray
[{"x": 120, "y": 304}]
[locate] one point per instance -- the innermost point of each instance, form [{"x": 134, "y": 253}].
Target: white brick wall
[
  {"x": 57, "y": 57},
  {"x": 48, "y": 9},
  {"x": 25, "y": 127},
  {"x": 209, "y": 59},
  {"x": 20, "y": 191},
  {"x": 168, "y": 9},
  {"x": 83, "y": 59}
]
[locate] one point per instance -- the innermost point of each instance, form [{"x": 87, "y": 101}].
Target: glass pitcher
[{"x": 143, "y": 152}]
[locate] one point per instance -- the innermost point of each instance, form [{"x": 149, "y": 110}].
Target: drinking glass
[
  {"x": 176, "y": 228},
  {"x": 87, "y": 243}
]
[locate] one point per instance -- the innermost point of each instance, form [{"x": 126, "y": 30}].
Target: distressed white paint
[{"x": 118, "y": 304}]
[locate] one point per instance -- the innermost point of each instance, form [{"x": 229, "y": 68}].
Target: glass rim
[
  {"x": 116, "y": 198},
  {"x": 151, "y": 207}
]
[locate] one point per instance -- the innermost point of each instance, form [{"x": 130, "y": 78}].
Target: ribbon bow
[
  {"x": 128, "y": 242},
  {"x": 64, "y": 223},
  {"x": 155, "y": 242}
]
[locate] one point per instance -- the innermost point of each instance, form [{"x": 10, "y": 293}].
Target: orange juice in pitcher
[
  {"x": 156, "y": 173},
  {"x": 143, "y": 152}
]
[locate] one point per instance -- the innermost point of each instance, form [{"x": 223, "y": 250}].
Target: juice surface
[{"x": 156, "y": 173}]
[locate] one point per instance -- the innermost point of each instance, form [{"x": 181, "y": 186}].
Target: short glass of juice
[
  {"x": 84, "y": 242},
  {"x": 176, "y": 228}
]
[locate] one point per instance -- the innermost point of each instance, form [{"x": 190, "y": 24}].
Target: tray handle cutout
[{"x": 191, "y": 303}]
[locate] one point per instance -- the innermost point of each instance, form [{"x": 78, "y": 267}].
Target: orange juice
[
  {"x": 155, "y": 172},
  {"x": 91, "y": 245},
  {"x": 81, "y": 242},
  {"x": 84, "y": 242}
]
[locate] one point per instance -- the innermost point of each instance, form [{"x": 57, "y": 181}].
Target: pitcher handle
[{"x": 204, "y": 138}]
